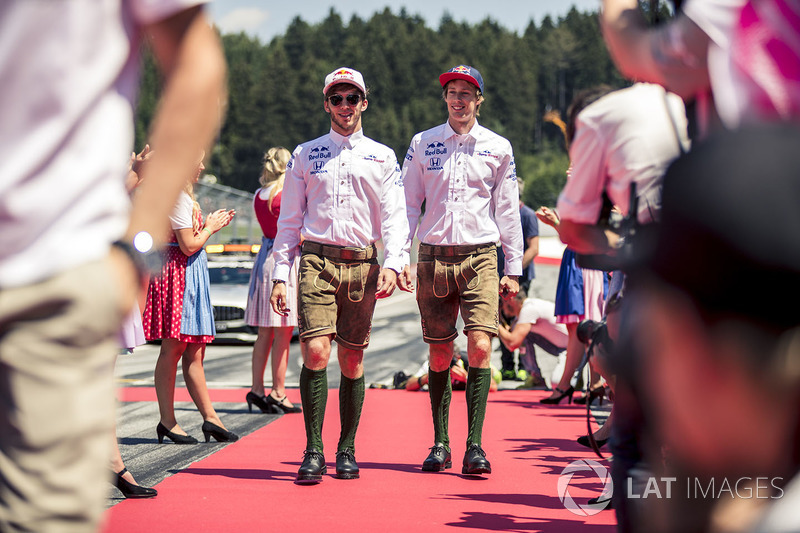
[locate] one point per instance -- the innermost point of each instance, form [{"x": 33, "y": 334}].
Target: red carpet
[{"x": 249, "y": 485}]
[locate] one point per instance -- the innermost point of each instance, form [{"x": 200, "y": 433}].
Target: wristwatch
[
  {"x": 277, "y": 281},
  {"x": 142, "y": 251}
]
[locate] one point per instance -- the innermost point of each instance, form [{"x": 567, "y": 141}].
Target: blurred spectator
[
  {"x": 69, "y": 73},
  {"x": 738, "y": 59},
  {"x": 716, "y": 337},
  {"x": 274, "y": 330},
  {"x": 615, "y": 139}
]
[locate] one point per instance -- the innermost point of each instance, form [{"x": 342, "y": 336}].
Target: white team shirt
[
  {"x": 540, "y": 314},
  {"x": 344, "y": 191},
  {"x": 470, "y": 184}
]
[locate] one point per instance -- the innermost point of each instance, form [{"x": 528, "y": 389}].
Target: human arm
[
  {"x": 505, "y": 201},
  {"x": 394, "y": 229},
  {"x": 189, "y": 56},
  {"x": 531, "y": 251},
  {"x": 190, "y": 243},
  {"x": 673, "y": 54},
  {"x": 513, "y": 336},
  {"x": 290, "y": 221},
  {"x": 588, "y": 238}
]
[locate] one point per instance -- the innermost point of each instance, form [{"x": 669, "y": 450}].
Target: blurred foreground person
[
  {"x": 69, "y": 72},
  {"x": 717, "y": 337}
]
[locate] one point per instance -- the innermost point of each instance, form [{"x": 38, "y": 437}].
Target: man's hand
[
  {"x": 404, "y": 280},
  {"x": 509, "y": 287},
  {"x": 278, "y": 299},
  {"x": 387, "y": 281}
]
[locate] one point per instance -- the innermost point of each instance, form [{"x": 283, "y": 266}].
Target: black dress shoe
[
  {"x": 220, "y": 434},
  {"x": 583, "y": 440},
  {"x": 312, "y": 468},
  {"x": 130, "y": 490},
  {"x": 346, "y": 466},
  {"x": 438, "y": 459},
  {"x": 475, "y": 461},
  {"x": 177, "y": 438}
]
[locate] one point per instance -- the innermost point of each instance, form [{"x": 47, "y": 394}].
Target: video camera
[{"x": 626, "y": 227}]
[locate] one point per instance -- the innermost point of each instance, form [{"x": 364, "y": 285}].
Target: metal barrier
[{"x": 244, "y": 227}]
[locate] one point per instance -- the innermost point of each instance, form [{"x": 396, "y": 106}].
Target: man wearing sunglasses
[
  {"x": 342, "y": 193},
  {"x": 466, "y": 176}
]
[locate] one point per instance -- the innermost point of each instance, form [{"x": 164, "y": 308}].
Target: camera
[
  {"x": 625, "y": 227},
  {"x": 593, "y": 334}
]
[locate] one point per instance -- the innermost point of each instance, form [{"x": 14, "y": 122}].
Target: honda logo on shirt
[{"x": 318, "y": 165}]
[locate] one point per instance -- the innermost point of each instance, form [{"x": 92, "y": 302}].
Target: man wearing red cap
[
  {"x": 342, "y": 193},
  {"x": 466, "y": 176}
]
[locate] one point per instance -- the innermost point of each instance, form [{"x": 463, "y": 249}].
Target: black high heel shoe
[
  {"x": 598, "y": 393},
  {"x": 220, "y": 434},
  {"x": 583, "y": 440},
  {"x": 279, "y": 407},
  {"x": 260, "y": 401},
  {"x": 555, "y": 400},
  {"x": 129, "y": 490},
  {"x": 162, "y": 432}
]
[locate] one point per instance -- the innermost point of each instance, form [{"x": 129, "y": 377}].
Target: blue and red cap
[{"x": 463, "y": 72}]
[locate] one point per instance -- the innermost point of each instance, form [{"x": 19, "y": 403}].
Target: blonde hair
[{"x": 274, "y": 170}]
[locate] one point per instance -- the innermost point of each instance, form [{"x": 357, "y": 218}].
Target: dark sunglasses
[{"x": 336, "y": 99}]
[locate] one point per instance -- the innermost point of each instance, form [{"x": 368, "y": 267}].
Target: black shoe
[
  {"x": 438, "y": 459},
  {"x": 162, "y": 432},
  {"x": 555, "y": 400},
  {"x": 260, "y": 401},
  {"x": 475, "y": 461},
  {"x": 598, "y": 393},
  {"x": 346, "y": 466},
  {"x": 312, "y": 468},
  {"x": 278, "y": 407},
  {"x": 583, "y": 440},
  {"x": 130, "y": 490},
  {"x": 220, "y": 434}
]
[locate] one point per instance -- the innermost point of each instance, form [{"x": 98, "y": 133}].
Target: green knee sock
[
  {"x": 441, "y": 391},
  {"x": 478, "y": 381},
  {"x": 314, "y": 395},
  {"x": 351, "y": 399}
]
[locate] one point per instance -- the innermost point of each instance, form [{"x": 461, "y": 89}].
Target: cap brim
[
  {"x": 450, "y": 76},
  {"x": 337, "y": 82}
]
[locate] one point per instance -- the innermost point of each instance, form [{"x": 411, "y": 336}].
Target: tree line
[{"x": 275, "y": 88}]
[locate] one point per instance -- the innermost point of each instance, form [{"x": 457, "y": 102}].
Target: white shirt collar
[
  {"x": 449, "y": 131},
  {"x": 347, "y": 141}
]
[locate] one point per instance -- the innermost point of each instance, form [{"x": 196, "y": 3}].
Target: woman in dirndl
[
  {"x": 274, "y": 331},
  {"x": 178, "y": 312}
]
